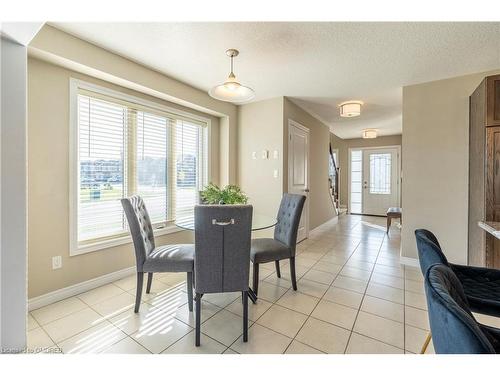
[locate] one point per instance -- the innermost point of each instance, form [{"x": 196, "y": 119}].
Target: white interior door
[
  {"x": 380, "y": 180},
  {"x": 298, "y": 170}
]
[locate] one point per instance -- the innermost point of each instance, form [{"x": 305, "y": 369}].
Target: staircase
[{"x": 333, "y": 182}]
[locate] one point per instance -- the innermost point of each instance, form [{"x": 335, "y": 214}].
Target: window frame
[{"x": 76, "y": 248}]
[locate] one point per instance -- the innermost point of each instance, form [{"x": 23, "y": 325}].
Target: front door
[
  {"x": 380, "y": 180},
  {"x": 298, "y": 170}
]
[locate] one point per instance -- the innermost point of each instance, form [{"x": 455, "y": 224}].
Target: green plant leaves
[{"x": 231, "y": 194}]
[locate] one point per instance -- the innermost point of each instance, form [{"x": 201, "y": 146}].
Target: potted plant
[{"x": 231, "y": 194}]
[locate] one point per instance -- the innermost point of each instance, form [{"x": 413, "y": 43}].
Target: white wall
[
  {"x": 435, "y": 169},
  {"x": 13, "y": 196}
]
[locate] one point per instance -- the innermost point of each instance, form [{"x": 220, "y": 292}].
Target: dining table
[{"x": 259, "y": 222}]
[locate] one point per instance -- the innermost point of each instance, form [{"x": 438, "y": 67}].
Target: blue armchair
[
  {"x": 454, "y": 329},
  {"x": 481, "y": 285}
]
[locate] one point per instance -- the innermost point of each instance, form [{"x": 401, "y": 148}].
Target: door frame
[
  {"x": 308, "y": 166},
  {"x": 349, "y": 151}
]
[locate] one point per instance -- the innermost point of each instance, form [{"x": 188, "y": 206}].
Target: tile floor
[{"x": 353, "y": 297}]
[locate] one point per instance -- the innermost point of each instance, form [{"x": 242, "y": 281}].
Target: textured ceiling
[{"x": 318, "y": 65}]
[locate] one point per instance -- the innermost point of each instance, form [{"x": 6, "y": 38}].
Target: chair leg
[
  {"x": 198, "y": 318},
  {"x": 190, "y": 290},
  {"x": 150, "y": 281},
  {"x": 426, "y": 343},
  {"x": 278, "y": 272},
  {"x": 389, "y": 219},
  {"x": 292, "y": 273},
  {"x": 255, "y": 285},
  {"x": 245, "y": 315},
  {"x": 138, "y": 293}
]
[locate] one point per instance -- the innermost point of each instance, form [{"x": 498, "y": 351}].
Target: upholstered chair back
[
  {"x": 140, "y": 228},
  {"x": 454, "y": 329},
  {"x": 222, "y": 247},
  {"x": 288, "y": 220},
  {"x": 429, "y": 251}
]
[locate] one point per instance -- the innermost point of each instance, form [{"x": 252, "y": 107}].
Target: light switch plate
[
  {"x": 276, "y": 173},
  {"x": 254, "y": 155},
  {"x": 276, "y": 154}
]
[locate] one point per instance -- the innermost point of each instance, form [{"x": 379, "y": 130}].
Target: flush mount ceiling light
[
  {"x": 231, "y": 90},
  {"x": 350, "y": 109},
  {"x": 369, "y": 133}
]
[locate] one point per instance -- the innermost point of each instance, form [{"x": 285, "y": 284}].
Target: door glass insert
[
  {"x": 356, "y": 181},
  {"x": 380, "y": 173}
]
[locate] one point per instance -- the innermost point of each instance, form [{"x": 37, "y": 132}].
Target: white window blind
[
  {"x": 125, "y": 148},
  {"x": 102, "y": 127}
]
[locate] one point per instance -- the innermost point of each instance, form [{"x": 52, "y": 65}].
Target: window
[
  {"x": 124, "y": 146},
  {"x": 380, "y": 173},
  {"x": 356, "y": 181}
]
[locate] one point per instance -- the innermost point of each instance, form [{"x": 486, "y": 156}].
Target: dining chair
[
  {"x": 222, "y": 255},
  {"x": 282, "y": 246},
  {"x": 454, "y": 328},
  {"x": 150, "y": 258},
  {"x": 481, "y": 285}
]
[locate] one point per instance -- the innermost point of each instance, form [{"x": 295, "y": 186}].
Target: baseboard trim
[
  {"x": 413, "y": 262},
  {"x": 73, "y": 290}
]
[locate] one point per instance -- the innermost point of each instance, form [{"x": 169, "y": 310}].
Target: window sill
[{"x": 126, "y": 239}]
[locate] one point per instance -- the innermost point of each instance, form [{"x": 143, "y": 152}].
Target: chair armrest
[{"x": 490, "y": 273}]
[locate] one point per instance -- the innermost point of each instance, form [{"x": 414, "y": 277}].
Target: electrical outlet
[{"x": 56, "y": 262}]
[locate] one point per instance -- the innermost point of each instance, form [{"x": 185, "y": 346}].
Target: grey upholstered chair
[
  {"x": 222, "y": 254},
  {"x": 151, "y": 259},
  {"x": 282, "y": 246}
]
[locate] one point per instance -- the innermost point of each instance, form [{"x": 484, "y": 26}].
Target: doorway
[
  {"x": 298, "y": 170},
  {"x": 374, "y": 179}
]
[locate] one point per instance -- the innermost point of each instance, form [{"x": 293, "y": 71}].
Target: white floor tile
[
  {"x": 359, "y": 344},
  {"x": 157, "y": 337},
  {"x": 115, "y": 305},
  {"x": 334, "y": 313},
  {"x": 379, "y": 328},
  {"x": 297, "y": 347},
  {"x": 100, "y": 294},
  {"x": 323, "y": 336},
  {"x": 126, "y": 346},
  {"x": 255, "y": 310},
  {"x": 262, "y": 340},
  {"x": 344, "y": 297},
  {"x": 311, "y": 288},
  {"x": 349, "y": 283},
  {"x": 385, "y": 292},
  {"x": 186, "y": 345},
  {"x": 299, "y": 302},
  {"x": 37, "y": 339},
  {"x": 383, "y": 308},
  {"x": 58, "y": 310},
  {"x": 417, "y": 318},
  {"x": 70, "y": 325},
  {"x": 282, "y": 320},
  {"x": 93, "y": 340},
  {"x": 414, "y": 339},
  {"x": 270, "y": 292},
  {"x": 225, "y": 327},
  {"x": 319, "y": 277}
]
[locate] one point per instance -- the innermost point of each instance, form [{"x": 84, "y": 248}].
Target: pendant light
[
  {"x": 350, "y": 109},
  {"x": 231, "y": 90}
]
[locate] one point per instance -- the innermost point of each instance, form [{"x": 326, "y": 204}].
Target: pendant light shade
[
  {"x": 369, "y": 133},
  {"x": 231, "y": 90},
  {"x": 350, "y": 109}
]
